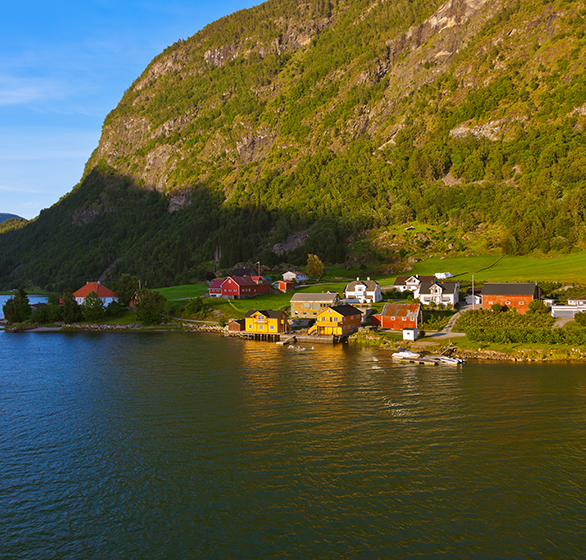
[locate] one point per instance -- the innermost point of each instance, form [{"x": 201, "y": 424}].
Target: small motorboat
[
  {"x": 451, "y": 361},
  {"x": 405, "y": 355}
]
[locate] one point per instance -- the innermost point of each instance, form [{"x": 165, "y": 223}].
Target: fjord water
[{"x": 174, "y": 446}]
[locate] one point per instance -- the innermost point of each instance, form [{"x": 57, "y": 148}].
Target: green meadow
[{"x": 570, "y": 269}]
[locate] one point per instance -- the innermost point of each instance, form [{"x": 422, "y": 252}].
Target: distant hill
[
  {"x": 333, "y": 122},
  {"x": 9, "y": 217}
]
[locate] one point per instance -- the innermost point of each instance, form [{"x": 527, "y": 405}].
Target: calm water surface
[{"x": 176, "y": 446}]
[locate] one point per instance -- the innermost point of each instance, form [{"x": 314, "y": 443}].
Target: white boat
[
  {"x": 405, "y": 355},
  {"x": 451, "y": 361}
]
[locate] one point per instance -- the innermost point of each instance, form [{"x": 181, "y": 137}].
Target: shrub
[
  {"x": 150, "y": 307},
  {"x": 92, "y": 308},
  {"x": 114, "y": 309},
  {"x": 580, "y": 319}
]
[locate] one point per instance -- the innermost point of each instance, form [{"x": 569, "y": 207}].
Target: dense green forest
[{"x": 344, "y": 118}]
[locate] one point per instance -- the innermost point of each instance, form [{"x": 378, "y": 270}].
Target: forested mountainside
[{"x": 342, "y": 119}]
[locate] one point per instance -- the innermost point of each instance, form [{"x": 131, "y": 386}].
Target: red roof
[
  {"x": 217, "y": 283},
  {"x": 100, "y": 290},
  {"x": 400, "y": 310}
]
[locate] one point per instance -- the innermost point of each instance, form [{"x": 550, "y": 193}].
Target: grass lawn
[
  {"x": 185, "y": 292},
  {"x": 128, "y": 318},
  {"x": 565, "y": 268}
]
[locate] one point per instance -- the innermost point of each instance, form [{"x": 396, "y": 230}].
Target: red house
[
  {"x": 283, "y": 285},
  {"x": 239, "y": 287},
  {"x": 399, "y": 316},
  {"x": 518, "y": 295}
]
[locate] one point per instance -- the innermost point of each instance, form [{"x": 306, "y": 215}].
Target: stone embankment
[{"x": 205, "y": 328}]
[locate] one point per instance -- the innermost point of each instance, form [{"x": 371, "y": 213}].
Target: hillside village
[{"x": 494, "y": 311}]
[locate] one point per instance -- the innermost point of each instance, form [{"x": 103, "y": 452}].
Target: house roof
[
  {"x": 449, "y": 287},
  {"x": 269, "y": 313},
  {"x": 581, "y": 298},
  {"x": 96, "y": 287},
  {"x": 243, "y": 271},
  {"x": 506, "y": 289},
  {"x": 217, "y": 283},
  {"x": 344, "y": 310},
  {"x": 410, "y": 310},
  {"x": 249, "y": 280},
  {"x": 371, "y": 285},
  {"x": 328, "y": 297},
  {"x": 402, "y": 280}
]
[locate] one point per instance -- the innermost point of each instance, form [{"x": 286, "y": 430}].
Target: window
[
  {"x": 272, "y": 327},
  {"x": 521, "y": 303},
  {"x": 507, "y": 303}
]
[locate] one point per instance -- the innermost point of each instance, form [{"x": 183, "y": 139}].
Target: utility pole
[{"x": 473, "y": 295}]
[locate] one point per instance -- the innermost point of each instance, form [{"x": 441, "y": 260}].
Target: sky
[{"x": 64, "y": 65}]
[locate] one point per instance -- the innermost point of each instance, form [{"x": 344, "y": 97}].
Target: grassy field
[
  {"x": 185, "y": 292},
  {"x": 565, "y": 268}
]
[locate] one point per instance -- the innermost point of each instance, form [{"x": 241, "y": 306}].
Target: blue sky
[{"x": 63, "y": 66}]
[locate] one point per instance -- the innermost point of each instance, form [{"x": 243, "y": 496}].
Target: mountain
[
  {"x": 324, "y": 127},
  {"x": 4, "y": 217}
]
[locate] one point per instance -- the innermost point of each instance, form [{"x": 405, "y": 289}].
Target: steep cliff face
[
  {"x": 210, "y": 103},
  {"x": 137, "y": 142}
]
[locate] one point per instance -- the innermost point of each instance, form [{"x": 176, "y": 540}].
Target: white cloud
[{"x": 19, "y": 91}]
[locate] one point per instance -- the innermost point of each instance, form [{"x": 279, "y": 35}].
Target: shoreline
[{"x": 520, "y": 355}]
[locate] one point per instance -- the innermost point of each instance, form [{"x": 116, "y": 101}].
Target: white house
[
  {"x": 363, "y": 291},
  {"x": 105, "y": 294},
  {"x": 412, "y": 283},
  {"x": 578, "y": 302},
  {"x": 296, "y": 277},
  {"x": 445, "y": 293}
]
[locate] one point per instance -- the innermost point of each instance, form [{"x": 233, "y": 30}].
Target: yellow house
[
  {"x": 337, "y": 320},
  {"x": 266, "y": 322}
]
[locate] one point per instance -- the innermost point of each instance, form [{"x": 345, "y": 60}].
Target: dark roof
[
  {"x": 266, "y": 312},
  {"x": 346, "y": 310},
  {"x": 243, "y": 272},
  {"x": 505, "y": 289},
  {"x": 371, "y": 285},
  {"x": 402, "y": 280}
]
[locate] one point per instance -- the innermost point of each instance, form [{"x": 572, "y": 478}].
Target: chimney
[
  {"x": 368, "y": 278},
  {"x": 358, "y": 279}
]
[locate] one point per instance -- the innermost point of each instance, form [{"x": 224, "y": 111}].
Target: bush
[
  {"x": 114, "y": 309},
  {"x": 538, "y": 307},
  {"x": 92, "y": 308},
  {"x": 47, "y": 314},
  {"x": 574, "y": 337},
  {"x": 150, "y": 307},
  {"x": 71, "y": 312},
  {"x": 197, "y": 307},
  {"x": 580, "y": 319}
]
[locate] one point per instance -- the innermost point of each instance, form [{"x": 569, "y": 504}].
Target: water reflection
[{"x": 195, "y": 446}]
